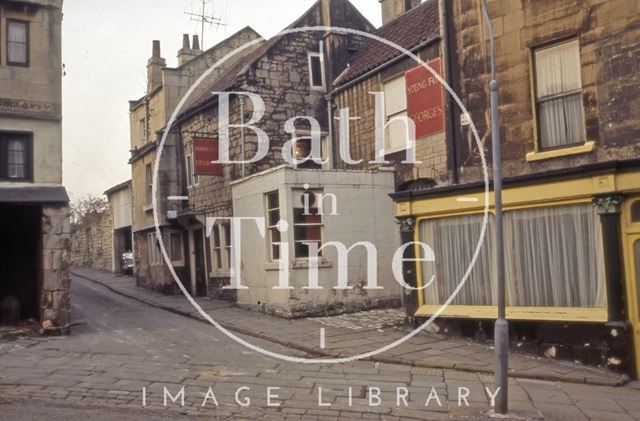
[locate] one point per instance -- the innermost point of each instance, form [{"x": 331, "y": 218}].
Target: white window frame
[
  {"x": 270, "y": 227},
  {"x": 389, "y": 146},
  {"x": 217, "y": 264},
  {"x": 320, "y": 57}
]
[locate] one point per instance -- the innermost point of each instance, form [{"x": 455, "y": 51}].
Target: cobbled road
[{"x": 125, "y": 360}]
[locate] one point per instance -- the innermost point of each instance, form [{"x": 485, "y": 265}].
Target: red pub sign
[
  {"x": 205, "y": 151},
  {"x": 425, "y": 103}
]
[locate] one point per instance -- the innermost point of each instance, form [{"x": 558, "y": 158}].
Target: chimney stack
[
  {"x": 391, "y": 9},
  {"x": 154, "y": 67},
  {"x": 187, "y": 53}
]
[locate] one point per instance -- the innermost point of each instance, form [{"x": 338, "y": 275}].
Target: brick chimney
[
  {"x": 154, "y": 67},
  {"x": 391, "y": 9},
  {"x": 187, "y": 53}
]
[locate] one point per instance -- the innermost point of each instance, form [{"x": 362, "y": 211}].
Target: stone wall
[
  {"x": 92, "y": 241},
  {"x": 56, "y": 285},
  {"x": 431, "y": 150},
  {"x": 608, "y": 34}
]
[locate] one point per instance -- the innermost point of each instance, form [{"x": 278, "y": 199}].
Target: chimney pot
[
  {"x": 196, "y": 42},
  {"x": 156, "y": 49},
  {"x": 185, "y": 42}
]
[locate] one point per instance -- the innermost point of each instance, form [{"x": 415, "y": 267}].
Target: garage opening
[{"x": 20, "y": 251}]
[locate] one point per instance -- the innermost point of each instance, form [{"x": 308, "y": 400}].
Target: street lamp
[{"x": 501, "y": 332}]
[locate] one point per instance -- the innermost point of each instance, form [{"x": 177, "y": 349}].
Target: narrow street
[{"x": 119, "y": 346}]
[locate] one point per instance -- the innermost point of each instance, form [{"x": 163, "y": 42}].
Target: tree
[{"x": 85, "y": 206}]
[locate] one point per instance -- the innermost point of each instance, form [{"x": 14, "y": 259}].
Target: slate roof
[{"x": 409, "y": 30}]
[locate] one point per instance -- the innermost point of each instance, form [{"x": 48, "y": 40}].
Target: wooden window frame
[
  {"x": 539, "y": 153},
  {"x": 8, "y": 23},
  {"x": 319, "y": 56},
  {"x": 27, "y": 138},
  {"x": 270, "y": 227}
]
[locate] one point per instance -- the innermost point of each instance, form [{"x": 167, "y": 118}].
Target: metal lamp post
[{"x": 501, "y": 333}]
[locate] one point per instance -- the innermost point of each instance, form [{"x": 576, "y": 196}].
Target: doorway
[
  {"x": 20, "y": 255},
  {"x": 199, "y": 268},
  {"x": 631, "y": 218}
]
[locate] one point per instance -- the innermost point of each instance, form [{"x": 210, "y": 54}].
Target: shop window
[
  {"x": 558, "y": 93},
  {"x": 454, "y": 242},
  {"x": 554, "y": 257},
  {"x": 17, "y": 42},
  {"x": 635, "y": 211},
  {"x": 307, "y": 226},
  {"x": 273, "y": 218},
  {"x": 316, "y": 71},
  {"x": 16, "y": 157}
]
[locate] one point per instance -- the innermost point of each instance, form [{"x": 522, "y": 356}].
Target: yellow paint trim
[
  {"x": 557, "y": 153},
  {"x": 569, "y": 314},
  {"x": 631, "y": 235},
  {"x": 560, "y": 192}
]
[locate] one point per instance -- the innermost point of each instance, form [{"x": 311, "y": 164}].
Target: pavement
[
  {"x": 356, "y": 334},
  {"x": 128, "y": 360}
]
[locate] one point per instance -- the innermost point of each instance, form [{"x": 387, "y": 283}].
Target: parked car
[{"x": 127, "y": 263}]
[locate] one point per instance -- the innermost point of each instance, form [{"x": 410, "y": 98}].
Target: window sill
[
  {"x": 298, "y": 264},
  {"x": 148, "y": 208},
  {"x": 219, "y": 274},
  {"x": 575, "y": 150}
]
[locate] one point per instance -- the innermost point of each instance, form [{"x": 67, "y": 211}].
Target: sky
[{"x": 106, "y": 45}]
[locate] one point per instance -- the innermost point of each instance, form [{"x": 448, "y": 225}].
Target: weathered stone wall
[
  {"x": 56, "y": 283},
  {"x": 608, "y": 34},
  {"x": 92, "y": 241},
  {"x": 431, "y": 150}
]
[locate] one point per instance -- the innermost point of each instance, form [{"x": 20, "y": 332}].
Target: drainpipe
[
  {"x": 449, "y": 46},
  {"x": 330, "y": 152},
  {"x": 242, "y": 138}
]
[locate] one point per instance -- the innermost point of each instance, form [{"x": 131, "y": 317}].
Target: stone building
[
  {"x": 569, "y": 150},
  {"x": 149, "y": 116},
  {"x": 33, "y": 202},
  {"x": 101, "y": 236},
  {"x": 292, "y": 74},
  {"x": 92, "y": 240}
]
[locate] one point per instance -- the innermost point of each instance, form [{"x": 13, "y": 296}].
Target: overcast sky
[{"x": 106, "y": 46}]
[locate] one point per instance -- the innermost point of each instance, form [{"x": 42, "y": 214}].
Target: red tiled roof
[{"x": 408, "y": 31}]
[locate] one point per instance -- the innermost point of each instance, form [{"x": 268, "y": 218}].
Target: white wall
[{"x": 365, "y": 213}]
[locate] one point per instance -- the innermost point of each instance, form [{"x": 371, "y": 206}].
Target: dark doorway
[
  {"x": 201, "y": 268},
  {"x": 122, "y": 244},
  {"x": 20, "y": 253}
]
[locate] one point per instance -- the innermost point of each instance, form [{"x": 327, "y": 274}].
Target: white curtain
[
  {"x": 17, "y": 42},
  {"x": 17, "y": 159},
  {"x": 454, "y": 241},
  {"x": 559, "y": 95},
  {"x": 554, "y": 257}
]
